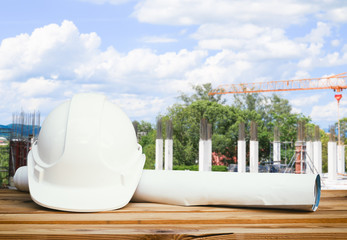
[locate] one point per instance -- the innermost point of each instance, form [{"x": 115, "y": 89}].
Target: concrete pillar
[
  {"x": 341, "y": 159},
  {"x": 205, "y": 146},
  {"x": 209, "y": 153},
  {"x": 254, "y": 149},
  {"x": 205, "y": 155},
  {"x": 276, "y": 147},
  {"x": 159, "y": 147},
  {"x": 169, "y": 146},
  {"x": 317, "y": 156},
  {"x": 241, "y": 156},
  {"x": 168, "y": 154},
  {"x": 332, "y": 161},
  {"x": 309, "y": 158},
  {"x": 241, "y": 149},
  {"x": 159, "y": 154},
  {"x": 253, "y": 156},
  {"x": 276, "y": 152}
]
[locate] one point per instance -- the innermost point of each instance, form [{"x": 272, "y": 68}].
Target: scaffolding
[{"x": 20, "y": 135}]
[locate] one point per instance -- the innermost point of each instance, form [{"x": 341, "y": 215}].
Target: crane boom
[{"x": 336, "y": 82}]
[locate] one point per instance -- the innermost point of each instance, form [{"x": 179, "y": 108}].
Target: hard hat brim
[{"x": 101, "y": 198}]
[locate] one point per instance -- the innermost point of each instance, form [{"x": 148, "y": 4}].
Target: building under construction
[{"x": 20, "y": 135}]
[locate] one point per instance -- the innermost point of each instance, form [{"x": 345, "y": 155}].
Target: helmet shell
[{"x": 86, "y": 157}]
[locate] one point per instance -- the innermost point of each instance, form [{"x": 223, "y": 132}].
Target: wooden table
[{"x": 21, "y": 218}]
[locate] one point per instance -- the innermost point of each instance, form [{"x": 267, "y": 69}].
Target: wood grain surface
[{"x": 21, "y": 218}]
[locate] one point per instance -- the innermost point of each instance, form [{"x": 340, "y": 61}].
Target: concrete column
[
  {"x": 209, "y": 154},
  {"x": 241, "y": 156},
  {"x": 205, "y": 155},
  {"x": 276, "y": 147},
  {"x": 341, "y": 159},
  {"x": 317, "y": 156},
  {"x": 241, "y": 149},
  {"x": 159, "y": 154},
  {"x": 202, "y": 164},
  {"x": 332, "y": 161},
  {"x": 205, "y": 146},
  {"x": 169, "y": 146},
  {"x": 309, "y": 157},
  {"x": 159, "y": 147},
  {"x": 254, "y": 156},
  {"x": 168, "y": 154},
  {"x": 276, "y": 152},
  {"x": 254, "y": 149}
]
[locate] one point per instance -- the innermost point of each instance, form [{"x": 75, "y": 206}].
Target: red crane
[{"x": 336, "y": 82}]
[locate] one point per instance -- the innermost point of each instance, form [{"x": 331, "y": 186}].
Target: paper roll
[
  {"x": 261, "y": 190},
  {"x": 20, "y": 179}
]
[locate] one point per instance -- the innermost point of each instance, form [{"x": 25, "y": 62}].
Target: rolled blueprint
[
  {"x": 189, "y": 188},
  {"x": 261, "y": 190}
]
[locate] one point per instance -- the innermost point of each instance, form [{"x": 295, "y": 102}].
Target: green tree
[
  {"x": 324, "y": 140},
  {"x": 147, "y": 136},
  {"x": 4, "y": 161},
  {"x": 201, "y": 93},
  {"x": 148, "y": 148},
  {"x": 343, "y": 135},
  {"x": 186, "y": 115},
  {"x": 250, "y": 101}
]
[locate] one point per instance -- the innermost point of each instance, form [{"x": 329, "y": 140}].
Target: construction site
[
  {"x": 307, "y": 158},
  {"x": 17, "y": 140},
  {"x": 256, "y": 198}
]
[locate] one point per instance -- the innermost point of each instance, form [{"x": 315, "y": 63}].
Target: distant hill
[{"x": 19, "y": 130}]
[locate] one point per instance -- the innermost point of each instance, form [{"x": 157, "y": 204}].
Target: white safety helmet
[{"x": 86, "y": 158}]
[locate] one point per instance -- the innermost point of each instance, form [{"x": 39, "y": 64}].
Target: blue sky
[{"x": 141, "y": 53}]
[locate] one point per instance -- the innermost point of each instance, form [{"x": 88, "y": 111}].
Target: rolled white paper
[
  {"x": 20, "y": 179},
  {"x": 263, "y": 190}
]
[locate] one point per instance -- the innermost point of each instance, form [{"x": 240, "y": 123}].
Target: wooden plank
[{"x": 21, "y": 218}]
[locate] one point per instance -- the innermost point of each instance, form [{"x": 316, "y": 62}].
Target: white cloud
[
  {"x": 254, "y": 42},
  {"x": 316, "y": 54},
  {"x": 51, "y": 49},
  {"x": 328, "y": 112},
  {"x": 233, "y": 42},
  {"x": 337, "y": 14},
  {"x": 140, "y": 107},
  {"x": 335, "y": 42},
  {"x": 301, "y": 75},
  {"x": 188, "y": 12},
  {"x": 296, "y": 110},
  {"x": 56, "y": 61},
  {"x": 307, "y": 101},
  {"x": 36, "y": 87},
  {"x": 318, "y": 34}
]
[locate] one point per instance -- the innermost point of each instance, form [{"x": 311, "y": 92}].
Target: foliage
[
  {"x": 185, "y": 167},
  {"x": 201, "y": 93},
  {"x": 267, "y": 112},
  {"x": 148, "y": 143},
  {"x": 196, "y": 168},
  {"x": 343, "y": 129},
  {"x": 4, "y": 161},
  {"x": 324, "y": 140}
]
